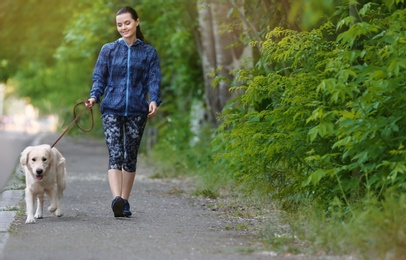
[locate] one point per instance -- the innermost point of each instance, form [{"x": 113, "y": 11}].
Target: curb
[{"x": 10, "y": 198}]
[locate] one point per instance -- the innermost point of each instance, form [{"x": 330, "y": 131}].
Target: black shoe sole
[{"x": 118, "y": 207}]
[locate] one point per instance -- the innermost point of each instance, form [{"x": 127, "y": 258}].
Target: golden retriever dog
[{"x": 44, "y": 169}]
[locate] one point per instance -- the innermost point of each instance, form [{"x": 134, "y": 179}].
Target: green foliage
[
  {"x": 51, "y": 76},
  {"x": 206, "y": 194},
  {"x": 91, "y": 26},
  {"x": 312, "y": 13},
  {"x": 172, "y": 31},
  {"x": 30, "y": 32},
  {"x": 364, "y": 101},
  {"x": 177, "y": 155},
  {"x": 328, "y": 119},
  {"x": 265, "y": 138}
]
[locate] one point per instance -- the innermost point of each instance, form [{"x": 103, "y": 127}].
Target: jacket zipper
[{"x": 128, "y": 80}]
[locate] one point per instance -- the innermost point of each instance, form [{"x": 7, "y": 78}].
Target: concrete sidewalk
[{"x": 165, "y": 224}]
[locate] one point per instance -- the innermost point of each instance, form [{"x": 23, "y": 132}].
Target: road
[{"x": 12, "y": 144}]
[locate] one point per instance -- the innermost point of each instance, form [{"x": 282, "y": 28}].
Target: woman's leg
[
  {"x": 128, "y": 181},
  {"x": 133, "y": 129},
  {"x": 113, "y": 133},
  {"x": 116, "y": 181}
]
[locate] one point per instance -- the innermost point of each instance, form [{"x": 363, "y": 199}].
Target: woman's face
[{"x": 126, "y": 26}]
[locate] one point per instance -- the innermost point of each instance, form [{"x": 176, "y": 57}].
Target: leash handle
[
  {"x": 76, "y": 117},
  {"x": 91, "y": 115}
]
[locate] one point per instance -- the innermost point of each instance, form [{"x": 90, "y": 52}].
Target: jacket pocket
[{"x": 103, "y": 102}]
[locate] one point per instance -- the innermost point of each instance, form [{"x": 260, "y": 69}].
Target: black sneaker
[
  {"x": 127, "y": 212},
  {"x": 117, "y": 205}
]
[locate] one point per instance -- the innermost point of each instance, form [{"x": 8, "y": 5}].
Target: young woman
[{"x": 126, "y": 72}]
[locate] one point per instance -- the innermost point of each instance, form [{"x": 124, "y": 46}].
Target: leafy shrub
[
  {"x": 364, "y": 104},
  {"x": 266, "y": 130},
  {"x": 325, "y": 117}
]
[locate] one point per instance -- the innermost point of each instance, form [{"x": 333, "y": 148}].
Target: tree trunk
[
  {"x": 217, "y": 55},
  {"x": 286, "y": 8}
]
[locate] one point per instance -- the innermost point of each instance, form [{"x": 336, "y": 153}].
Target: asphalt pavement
[{"x": 166, "y": 223}]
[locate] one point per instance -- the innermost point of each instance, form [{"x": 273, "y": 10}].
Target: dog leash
[{"x": 76, "y": 117}]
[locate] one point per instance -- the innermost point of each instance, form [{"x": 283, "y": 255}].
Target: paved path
[{"x": 166, "y": 225}]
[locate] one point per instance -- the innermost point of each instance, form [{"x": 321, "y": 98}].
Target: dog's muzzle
[{"x": 39, "y": 172}]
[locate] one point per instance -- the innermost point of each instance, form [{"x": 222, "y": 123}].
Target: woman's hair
[{"x": 134, "y": 15}]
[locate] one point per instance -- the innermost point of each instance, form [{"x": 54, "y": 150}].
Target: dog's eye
[
  {"x": 44, "y": 159},
  {"x": 33, "y": 159}
]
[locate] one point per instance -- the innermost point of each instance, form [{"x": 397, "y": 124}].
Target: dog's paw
[
  {"x": 30, "y": 221},
  {"x": 52, "y": 209},
  {"x": 38, "y": 214},
  {"x": 58, "y": 213}
]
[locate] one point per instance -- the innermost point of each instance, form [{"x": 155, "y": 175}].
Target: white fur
[{"x": 44, "y": 169}]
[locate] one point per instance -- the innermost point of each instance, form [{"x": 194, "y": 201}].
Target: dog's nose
[{"x": 39, "y": 171}]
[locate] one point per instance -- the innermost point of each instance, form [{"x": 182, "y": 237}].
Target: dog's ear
[
  {"x": 59, "y": 159},
  {"x": 24, "y": 155},
  {"x": 51, "y": 155}
]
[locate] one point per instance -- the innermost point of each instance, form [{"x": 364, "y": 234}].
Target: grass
[
  {"x": 376, "y": 230},
  {"x": 14, "y": 208},
  {"x": 206, "y": 193}
]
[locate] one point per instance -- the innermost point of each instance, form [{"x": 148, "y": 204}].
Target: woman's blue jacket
[{"x": 126, "y": 77}]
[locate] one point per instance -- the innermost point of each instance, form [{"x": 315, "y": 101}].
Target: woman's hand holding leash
[{"x": 90, "y": 102}]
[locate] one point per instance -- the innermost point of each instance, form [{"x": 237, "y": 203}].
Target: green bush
[
  {"x": 364, "y": 103},
  {"x": 324, "y": 117}
]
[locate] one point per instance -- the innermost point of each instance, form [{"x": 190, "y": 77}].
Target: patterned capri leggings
[{"x": 123, "y": 137}]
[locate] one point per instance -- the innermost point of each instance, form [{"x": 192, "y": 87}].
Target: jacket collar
[{"x": 138, "y": 41}]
